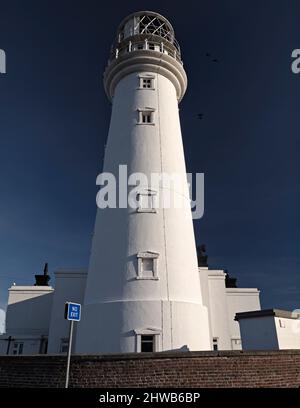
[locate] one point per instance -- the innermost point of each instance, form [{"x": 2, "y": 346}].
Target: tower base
[{"x": 118, "y": 327}]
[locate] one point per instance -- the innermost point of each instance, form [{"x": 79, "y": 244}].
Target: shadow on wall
[{"x": 29, "y": 316}]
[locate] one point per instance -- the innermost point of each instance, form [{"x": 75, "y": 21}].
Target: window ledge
[
  {"x": 146, "y": 89},
  {"x": 153, "y": 211}
]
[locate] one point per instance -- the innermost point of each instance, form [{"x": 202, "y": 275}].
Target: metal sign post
[
  {"x": 73, "y": 314},
  {"x": 69, "y": 353}
]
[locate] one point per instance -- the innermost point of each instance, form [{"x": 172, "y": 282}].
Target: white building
[
  {"x": 27, "y": 320},
  {"x": 35, "y": 314},
  {"x": 270, "y": 329},
  {"x": 223, "y": 303}
]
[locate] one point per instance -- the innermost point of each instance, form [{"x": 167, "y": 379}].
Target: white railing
[{"x": 146, "y": 45}]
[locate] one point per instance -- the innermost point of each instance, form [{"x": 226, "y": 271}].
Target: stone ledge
[{"x": 158, "y": 355}]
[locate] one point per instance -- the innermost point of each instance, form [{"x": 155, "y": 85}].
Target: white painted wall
[
  {"x": 203, "y": 275},
  {"x": 27, "y": 317},
  {"x": 240, "y": 300},
  {"x": 31, "y": 344},
  {"x": 259, "y": 333},
  {"x": 223, "y": 304},
  {"x": 28, "y": 310},
  {"x": 116, "y": 304},
  {"x": 218, "y": 308},
  {"x": 69, "y": 287},
  {"x": 272, "y": 329},
  {"x": 288, "y": 333}
]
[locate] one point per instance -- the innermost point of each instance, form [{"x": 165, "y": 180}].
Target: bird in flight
[
  {"x": 213, "y": 59},
  {"x": 200, "y": 115}
]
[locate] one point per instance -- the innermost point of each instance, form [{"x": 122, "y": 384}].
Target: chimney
[{"x": 42, "y": 280}]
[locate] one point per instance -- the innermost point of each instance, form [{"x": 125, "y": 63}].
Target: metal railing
[{"x": 146, "y": 45}]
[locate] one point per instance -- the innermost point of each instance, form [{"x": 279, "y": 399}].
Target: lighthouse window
[
  {"x": 147, "y": 202},
  {"x": 146, "y": 117},
  {"x": 147, "y": 343},
  {"x": 148, "y": 339},
  {"x": 146, "y": 82},
  {"x": 147, "y": 265}
]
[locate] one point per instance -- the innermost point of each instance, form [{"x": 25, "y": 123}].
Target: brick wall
[{"x": 190, "y": 369}]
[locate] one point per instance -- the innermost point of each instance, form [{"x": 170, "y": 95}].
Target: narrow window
[
  {"x": 281, "y": 323},
  {"x": 146, "y": 117},
  {"x": 215, "y": 344},
  {"x": 64, "y": 345},
  {"x": 147, "y": 265},
  {"x": 17, "y": 348},
  {"x": 43, "y": 346},
  {"x": 148, "y": 339},
  {"x": 147, "y": 343},
  {"x": 147, "y": 202},
  {"x": 151, "y": 46}
]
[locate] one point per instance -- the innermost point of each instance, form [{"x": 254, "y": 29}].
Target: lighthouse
[{"x": 143, "y": 290}]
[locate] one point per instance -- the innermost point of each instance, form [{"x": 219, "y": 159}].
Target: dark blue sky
[{"x": 54, "y": 120}]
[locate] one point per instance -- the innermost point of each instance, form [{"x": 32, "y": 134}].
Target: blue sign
[{"x": 72, "y": 311}]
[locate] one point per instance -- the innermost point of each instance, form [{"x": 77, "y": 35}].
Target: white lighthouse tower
[{"x": 143, "y": 290}]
